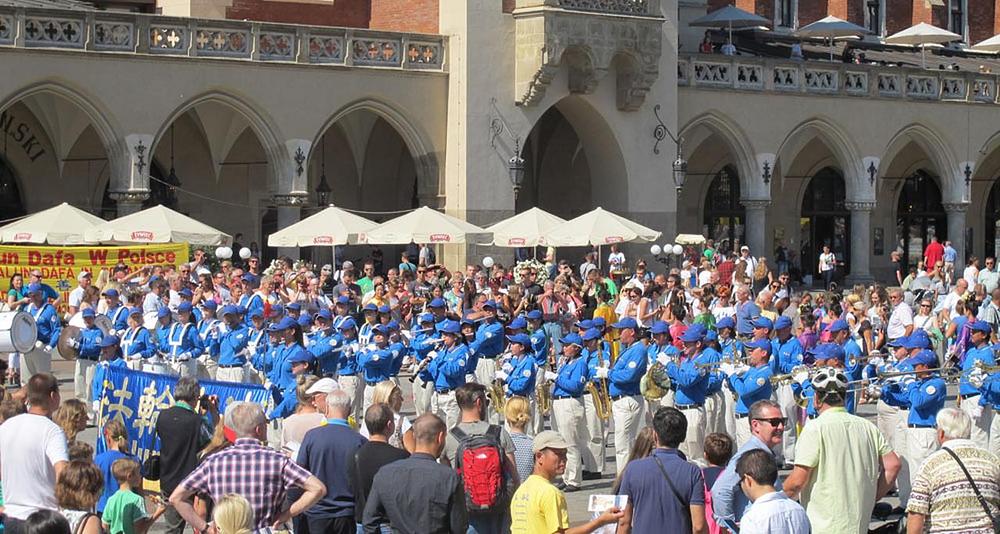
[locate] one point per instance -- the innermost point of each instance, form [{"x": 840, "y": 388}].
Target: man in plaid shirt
[{"x": 260, "y": 474}]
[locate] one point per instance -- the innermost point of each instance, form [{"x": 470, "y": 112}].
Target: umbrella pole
[
  {"x": 923, "y": 56},
  {"x": 730, "y": 32}
]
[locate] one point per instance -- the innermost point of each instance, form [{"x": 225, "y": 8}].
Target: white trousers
[
  {"x": 790, "y": 410},
  {"x": 354, "y": 387},
  {"x": 156, "y": 366},
  {"x": 208, "y": 367},
  {"x": 231, "y": 374},
  {"x": 742, "y": 429},
  {"x": 627, "y": 413},
  {"x": 445, "y": 406},
  {"x": 134, "y": 364},
  {"x": 693, "y": 445},
  {"x": 423, "y": 390},
  {"x": 184, "y": 368},
  {"x": 729, "y": 411},
  {"x": 594, "y": 461},
  {"x": 887, "y": 421},
  {"x": 980, "y": 425},
  {"x": 920, "y": 443},
  {"x": 714, "y": 415},
  {"x": 367, "y": 397},
  {"x": 486, "y": 369},
  {"x": 83, "y": 378},
  {"x": 34, "y": 362},
  {"x": 569, "y": 421}
]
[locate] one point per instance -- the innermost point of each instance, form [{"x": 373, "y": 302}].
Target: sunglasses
[{"x": 773, "y": 421}]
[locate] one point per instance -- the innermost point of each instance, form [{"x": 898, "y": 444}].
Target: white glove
[
  {"x": 507, "y": 367},
  {"x": 184, "y": 356},
  {"x": 432, "y": 354},
  {"x": 47, "y": 349},
  {"x": 112, "y": 332},
  {"x": 267, "y": 384},
  {"x": 38, "y": 344},
  {"x": 877, "y": 362},
  {"x": 252, "y": 347},
  {"x": 801, "y": 377},
  {"x": 500, "y": 375},
  {"x": 741, "y": 368},
  {"x": 73, "y": 342},
  {"x": 727, "y": 368},
  {"x": 977, "y": 412},
  {"x": 602, "y": 372},
  {"x": 549, "y": 375},
  {"x": 96, "y": 407},
  {"x": 371, "y": 346},
  {"x": 908, "y": 379},
  {"x": 135, "y": 356},
  {"x": 663, "y": 358}
]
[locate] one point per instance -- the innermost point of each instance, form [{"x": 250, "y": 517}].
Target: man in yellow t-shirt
[{"x": 538, "y": 507}]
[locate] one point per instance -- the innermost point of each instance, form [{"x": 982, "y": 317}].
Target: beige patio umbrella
[
  {"x": 330, "y": 227},
  {"x": 58, "y": 225},
  {"x": 730, "y": 17},
  {"x": 832, "y": 28},
  {"x": 921, "y": 35},
  {"x": 598, "y": 227},
  {"x": 424, "y": 225},
  {"x": 158, "y": 224},
  {"x": 991, "y": 45},
  {"x": 526, "y": 229}
]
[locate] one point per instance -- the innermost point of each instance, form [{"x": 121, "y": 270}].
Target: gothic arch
[
  {"x": 836, "y": 140},
  {"x": 935, "y": 148},
  {"x": 416, "y": 139},
  {"x": 732, "y": 134}
]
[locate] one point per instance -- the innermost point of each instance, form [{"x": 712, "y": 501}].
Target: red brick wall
[
  {"x": 350, "y": 13},
  {"x": 508, "y": 6},
  {"x": 812, "y": 10},
  {"x": 405, "y": 15},
  {"x": 856, "y": 12},
  {"x": 982, "y": 20},
  {"x": 899, "y": 15}
]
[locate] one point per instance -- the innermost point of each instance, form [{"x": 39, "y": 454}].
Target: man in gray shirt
[{"x": 417, "y": 495}]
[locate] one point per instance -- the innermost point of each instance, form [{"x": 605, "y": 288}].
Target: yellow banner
[{"x": 60, "y": 266}]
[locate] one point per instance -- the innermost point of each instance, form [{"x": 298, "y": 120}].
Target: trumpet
[
  {"x": 423, "y": 364},
  {"x": 985, "y": 368},
  {"x": 788, "y": 378}
]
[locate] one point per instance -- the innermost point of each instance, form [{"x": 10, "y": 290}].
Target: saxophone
[
  {"x": 497, "y": 396},
  {"x": 655, "y": 383},
  {"x": 543, "y": 396}
]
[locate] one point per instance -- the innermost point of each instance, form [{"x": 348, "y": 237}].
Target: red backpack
[{"x": 483, "y": 468}]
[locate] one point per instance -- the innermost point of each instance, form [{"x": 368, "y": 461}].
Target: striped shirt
[
  {"x": 942, "y": 492},
  {"x": 262, "y": 475}
]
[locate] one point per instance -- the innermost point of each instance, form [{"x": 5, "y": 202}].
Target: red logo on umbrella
[
  {"x": 142, "y": 235},
  {"x": 323, "y": 240},
  {"x": 614, "y": 239},
  {"x": 438, "y": 238},
  {"x": 515, "y": 241},
  {"x": 22, "y": 236}
]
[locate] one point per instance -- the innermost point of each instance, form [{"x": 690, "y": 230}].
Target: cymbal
[{"x": 65, "y": 350}]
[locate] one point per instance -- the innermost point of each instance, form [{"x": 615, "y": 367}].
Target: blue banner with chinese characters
[{"x": 137, "y": 398}]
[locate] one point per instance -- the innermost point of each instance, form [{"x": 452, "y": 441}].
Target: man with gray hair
[
  {"x": 948, "y": 498},
  {"x": 249, "y": 468},
  {"x": 325, "y": 451}
]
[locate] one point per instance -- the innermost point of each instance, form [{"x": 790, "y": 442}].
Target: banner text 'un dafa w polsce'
[
  {"x": 137, "y": 398},
  {"x": 60, "y": 265}
]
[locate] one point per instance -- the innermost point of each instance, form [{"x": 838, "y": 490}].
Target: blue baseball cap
[
  {"x": 533, "y": 315},
  {"x": 325, "y": 315},
  {"x": 185, "y": 292},
  {"x": 599, "y": 322},
  {"x": 393, "y": 325},
  {"x": 590, "y": 334},
  {"x": 343, "y": 299},
  {"x": 437, "y": 303},
  {"x": 467, "y": 321},
  {"x": 210, "y": 305},
  {"x": 110, "y": 341},
  {"x": 659, "y": 327},
  {"x": 348, "y": 324},
  {"x": 918, "y": 340},
  {"x": 34, "y": 287},
  {"x": 384, "y": 309},
  {"x": 711, "y": 335},
  {"x": 135, "y": 311},
  {"x": 725, "y": 322},
  {"x": 110, "y": 292},
  {"x": 626, "y": 322},
  {"x": 490, "y": 304},
  {"x": 924, "y": 357},
  {"x": 694, "y": 333},
  {"x": 258, "y": 313},
  {"x": 88, "y": 312},
  {"x": 305, "y": 320},
  {"x": 898, "y": 342},
  {"x": 284, "y": 324},
  {"x": 163, "y": 312},
  {"x": 277, "y": 310},
  {"x": 980, "y": 326},
  {"x": 449, "y": 327},
  {"x": 426, "y": 318},
  {"x": 381, "y": 329},
  {"x": 838, "y": 326},
  {"x": 830, "y": 351},
  {"x": 301, "y": 356},
  {"x": 250, "y": 278},
  {"x": 293, "y": 306},
  {"x": 782, "y": 322},
  {"x": 763, "y": 322},
  {"x": 759, "y": 344},
  {"x": 585, "y": 324},
  {"x": 184, "y": 307},
  {"x": 520, "y": 339},
  {"x": 518, "y": 323},
  {"x": 229, "y": 309},
  {"x": 370, "y": 308},
  {"x": 572, "y": 339}
]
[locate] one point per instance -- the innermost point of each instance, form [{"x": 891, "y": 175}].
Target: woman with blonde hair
[
  {"x": 388, "y": 393},
  {"x": 71, "y": 418},
  {"x": 517, "y": 413},
  {"x": 233, "y": 515},
  {"x": 307, "y": 415}
]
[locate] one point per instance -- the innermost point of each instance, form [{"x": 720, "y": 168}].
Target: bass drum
[{"x": 18, "y": 332}]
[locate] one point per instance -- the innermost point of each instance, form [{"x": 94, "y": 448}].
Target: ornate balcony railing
[
  {"x": 619, "y": 7},
  {"x": 821, "y": 78},
  {"x": 100, "y": 31}
]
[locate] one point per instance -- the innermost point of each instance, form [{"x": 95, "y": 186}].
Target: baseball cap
[
  {"x": 343, "y": 299},
  {"x": 135, "y": 311},
  {"x": 110, "y": 341},
  {"x": 725, "y": 322},
  {"x": 763, "y": 322},
  {"x": 694, "y": 333},
  {"x": 627, "y": 322},
  {"x": 518, "y": 323},
  {"x": 450, "y": 327},
  {"x": 490, "y": 304},
  {"x": 384, "y": 309},
  {"x": 110, "y": 292},
  {"x": 548, "y": 439},
  {"x": 83, "y": 274},
  {"x": 325, "y": 315},
  {"x": 918, "y": 340},
  {"x": 323, "y": 385},
  {"x": 838, "y": 325},
  {"x": 229, "y": 309},
  {"x": 759, "y": 344},
  {"x": 924, "y": 357},
  {"x": 277, "y": 310},
  {"x": 425, "y": 318},
  {"x": 210, "y": 305},
  {"x": 284, "y": 324},
  {"x": 34, "y": 288},
  {"x": 301, "y": 356},
  {"x": 88, "y": 312},
  {"x": 980, "y": 326},
  {"x": 163, "y": 312},
  {"x": 520, "y": 339},
  {"x": 293, "y": 306},
  {"x": 533, "y": 315},
  {"x": 782, "y": 322},
  {"x": 571, "y": 339},
  {"x": 185, "y": 292},
  {"x": 305, "y": 320},
  {"x": 348, "y": 324},
  {"x": 585, "y": 324},
  {"x": 370, "y": 308},
  {"x": 184, "y": 307},
  {"x": 437, "y": 303},
  {"x": 593, "y": 333},
  {"x": 599, "y": 322},
  {"x": 659, "y": 327},
  {"x": 250, "y": 278}
]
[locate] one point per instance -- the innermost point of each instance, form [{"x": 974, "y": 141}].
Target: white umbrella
[
  {"x": 832, "y": 28},
  {"x": 921, "y": 35},
  {"x": 730, "y": 17},
  {"x": 424, "y": 225},
  {"x": 989, "y": 45},
  {"x": 59, "y": 225},
  {"x": 526, "y": 229},
  {"x": 598, "y": 227},
  {"x": 158, "y": 224},
  {"x": 330, "y": 227}
]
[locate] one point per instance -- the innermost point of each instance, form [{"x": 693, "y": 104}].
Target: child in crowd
[
  {"x": 719, "y": 450},
  {"x": 125, "y": 512},
  {"x": 116, "y": 448},
  {"x": 233, "y": 515}
]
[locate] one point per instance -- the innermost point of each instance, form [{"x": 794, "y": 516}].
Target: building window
[
  {"x": 919, "y": 216},
  {"x": 786, "y": 13},
  {"x": 825, "y": 220},
  {"x": 724, "y": 215},
  {"x": 873, "y": 16},
  {"x": 956, "y": 20}
]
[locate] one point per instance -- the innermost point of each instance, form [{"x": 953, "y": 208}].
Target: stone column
[
  {"x": 861, "y": 242},
  {"x": 956, "y": 231},
  {"x": 289, "y": 212},
  {"x": 756, "y": 226},
  {"x": 129, "y": 202}
]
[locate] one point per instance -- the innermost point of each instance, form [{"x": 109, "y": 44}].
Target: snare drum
[{"x": 18, "y": 332}]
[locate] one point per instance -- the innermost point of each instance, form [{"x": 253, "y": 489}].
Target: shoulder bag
[{"x": 982, "y": 501}]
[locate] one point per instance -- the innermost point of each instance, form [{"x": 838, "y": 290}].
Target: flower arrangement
[{"x": 540, "y": 269}]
